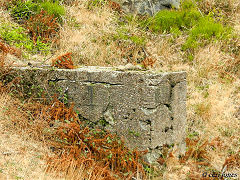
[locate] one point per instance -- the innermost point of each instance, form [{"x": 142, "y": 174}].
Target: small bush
[
  {"x": 17, "y": 36},
  {"x": 167, "y": 21},
  {"x": 207, "y": 28},
  {"x": 53, "y": 9},
  {"x": 23, "y": 10},
  {"x": 200, "y": 28}
]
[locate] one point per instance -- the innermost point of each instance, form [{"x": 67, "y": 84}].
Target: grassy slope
[
  {"x": 21, "y": 156},
  {"x": 212, "y": 100}
]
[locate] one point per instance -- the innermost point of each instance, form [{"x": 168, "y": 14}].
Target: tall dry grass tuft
[
  {"x": 168, "y": 56},
  {"x": 227, "y": 8},
  {"x": 89, "y": 42}
]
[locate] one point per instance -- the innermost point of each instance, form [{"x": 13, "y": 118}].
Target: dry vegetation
[
  {"x": 21, "y": 157},
  {"x": 95, "y": 37}
]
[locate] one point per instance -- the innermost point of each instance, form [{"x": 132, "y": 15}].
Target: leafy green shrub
[
  {"x": 17, "y": 36},
  {"x": 23, "y": 10},
  {"x": 207, "y": 28},
  {"x": 53, "y": 9},
  {"x": 42, "y": 27}
]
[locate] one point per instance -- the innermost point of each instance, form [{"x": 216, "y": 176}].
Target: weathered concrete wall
[
  {"x": 150, "y": 7},
  {"x": 147, "y": 109}
]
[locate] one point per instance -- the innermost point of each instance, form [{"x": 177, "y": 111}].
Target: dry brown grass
[
  {"x": 30, "y": 126},
  {"x": 213, "y": 99},
  {"x": 21, "y": 156},
  {"x": 87, "y": 42},
  {"x": 227, "y": 8},
  {"x": 213, "y": 84}
]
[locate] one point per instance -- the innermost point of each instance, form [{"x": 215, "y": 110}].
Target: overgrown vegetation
[
  {"x": 200, "y": 28},
  {"x": 23, "y": 10},
  {"x": 17, "y": 36},
  {"x": 42, "y": 26},
  {"x": 202, "y": 38},
  {"x": 39, "y": 19}
]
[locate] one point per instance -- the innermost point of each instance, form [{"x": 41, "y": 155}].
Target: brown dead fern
[
  {"x": 5, "y": 49},
  {"x": 43, "y": 26},
  {"x": 90, "y": 147},
  {"x": 64, "y": 61}
]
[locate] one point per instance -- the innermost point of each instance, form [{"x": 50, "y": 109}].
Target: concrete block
[{"x": 148, "y": 109}]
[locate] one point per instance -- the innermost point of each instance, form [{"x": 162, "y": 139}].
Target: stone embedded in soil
[{"x": 149, "y": 7}]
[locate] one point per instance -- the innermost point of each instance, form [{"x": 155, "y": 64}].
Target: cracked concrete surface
[{"x": 147, "y": 109}]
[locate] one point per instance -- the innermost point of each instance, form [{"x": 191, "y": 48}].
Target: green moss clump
[{"x": 207, "y": 30}]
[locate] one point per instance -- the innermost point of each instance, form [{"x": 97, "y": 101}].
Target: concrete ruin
[{"x": 148, "y": 109}]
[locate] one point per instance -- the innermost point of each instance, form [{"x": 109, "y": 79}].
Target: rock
[
  {"x": 129, "y": 67},
  {"x": 150, "y": 7}
]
